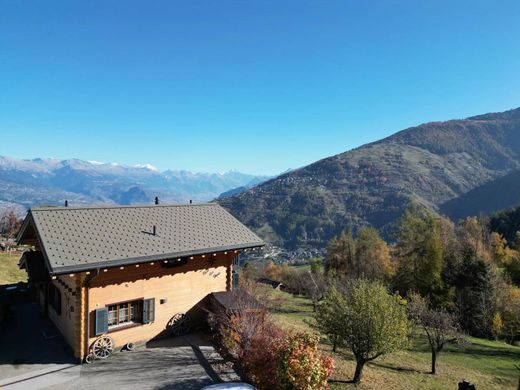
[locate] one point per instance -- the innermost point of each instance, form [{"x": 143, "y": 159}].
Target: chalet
[{"x": 128, "y": 271}]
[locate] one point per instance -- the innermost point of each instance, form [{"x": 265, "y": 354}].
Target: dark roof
[
  {"x": 270, "y": 282},
  {"x": 34, "y": 263},
  {"x": 225, "y": 298},
  {"x": 76, "y": 239},
  {"x": 236, "y": 300}
]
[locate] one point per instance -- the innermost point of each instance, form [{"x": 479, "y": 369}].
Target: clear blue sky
[{"x": 260, "y": 86}]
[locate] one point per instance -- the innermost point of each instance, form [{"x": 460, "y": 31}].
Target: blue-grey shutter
[
  {"x": 234, "y": 282},
  {"x": 58, "y": 301},
  {"x": 148, "y": 310},
  {"x": 101, "y": 321}
]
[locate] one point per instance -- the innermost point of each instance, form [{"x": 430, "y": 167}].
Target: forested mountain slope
[{"x": 432, "y": 163}]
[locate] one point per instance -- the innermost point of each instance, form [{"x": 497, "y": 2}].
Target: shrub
[
  {"x": 258, "y": 363},
  {"x": 299, "y": 364}
]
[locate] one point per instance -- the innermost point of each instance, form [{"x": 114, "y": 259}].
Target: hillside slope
[
  {"x": 431, "y": 163},
  {"x": 498, "y": 194}
]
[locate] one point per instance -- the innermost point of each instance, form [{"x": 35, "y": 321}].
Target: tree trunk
[
  {"x": 359, "y": 371},
  {"x": 434, "y": 361}
]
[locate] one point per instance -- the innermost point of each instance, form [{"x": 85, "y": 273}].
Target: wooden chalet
[{"x": 126, "y": 271}]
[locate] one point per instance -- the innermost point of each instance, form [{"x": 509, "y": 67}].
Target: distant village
[{"x": 280, "y": 255}]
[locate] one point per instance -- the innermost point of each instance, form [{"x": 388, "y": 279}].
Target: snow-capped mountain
[{"x": 48, "y": 181}]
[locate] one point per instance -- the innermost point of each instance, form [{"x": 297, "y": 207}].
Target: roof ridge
[{"x": 136, "y": 206}]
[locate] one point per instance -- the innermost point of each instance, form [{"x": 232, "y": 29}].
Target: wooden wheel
[
  {"x": 89, "y": 358},
  {"x": 179, "y": 325},
  {"x": 103, "y": 347}
]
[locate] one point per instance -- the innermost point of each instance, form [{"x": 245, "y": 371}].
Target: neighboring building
[
  {"x": 270, "y": 282},
  {"x": 126, "y": 271}
]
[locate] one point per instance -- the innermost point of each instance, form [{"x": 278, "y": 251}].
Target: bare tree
[
  {"x": 243, "y": 319},
  {"x": 314, "y": 287},
  {"x": 439, "y": 325},
  {"x": 9, "y": 226}
]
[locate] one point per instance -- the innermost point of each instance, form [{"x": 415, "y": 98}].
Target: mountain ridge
[
  {"x": 30, "y": 182},
  {"x": 430, "y": 164}
]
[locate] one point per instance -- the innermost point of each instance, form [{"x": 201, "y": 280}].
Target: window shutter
[
  {"x": 51, "y": 294},
  {"x": 101, "y": 321},
  {"x": 234, "y": 282},
  {"x": 58, "y": 301},
  {"x": 148, "y": 310}
]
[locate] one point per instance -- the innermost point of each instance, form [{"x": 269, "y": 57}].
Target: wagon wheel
[
  {"x": 90, "y": 358},
  {"x": 103, "y": 347},
  {"x": 180, "y": 324}
]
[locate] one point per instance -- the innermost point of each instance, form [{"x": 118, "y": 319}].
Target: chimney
[
  {"x": 154, "y": 231},
  {"x": 156, "y": 200},
  {"x": 66, "y": 203}
]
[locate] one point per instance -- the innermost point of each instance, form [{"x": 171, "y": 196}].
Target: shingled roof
[{"x": 76, "y": 239}]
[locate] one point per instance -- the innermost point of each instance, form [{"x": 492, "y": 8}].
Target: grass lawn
[
  {"x": 9, "y": 271},
  {"x": 487, "y": 364}
]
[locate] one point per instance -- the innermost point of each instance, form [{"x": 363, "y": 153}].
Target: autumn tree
[
  {"x": 500, "y": 251},
  {"x": 340, "y": 255},
  {"x": 508, "y": 306},
  {"x": 474, "y": 236},
  {"x": 419, "y": 253},
  {"x": 439, "y": 325},
  {"x": 272, "y": 270},
  {"x": 374, "y": 322},
  {"x": 372, "y": 256},
  {"x": 367, "y": 256}
]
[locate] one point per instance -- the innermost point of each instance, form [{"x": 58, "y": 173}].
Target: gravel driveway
[{"x": 187, "y": 363}]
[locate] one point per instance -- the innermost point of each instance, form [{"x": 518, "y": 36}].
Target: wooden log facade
[{"x": 130, "y": 301}]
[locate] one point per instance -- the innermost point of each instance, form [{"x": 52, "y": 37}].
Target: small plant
[{"x": 300, "y": 365}]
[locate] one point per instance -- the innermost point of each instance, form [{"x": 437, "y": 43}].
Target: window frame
[{"x": 129, "y": 323}]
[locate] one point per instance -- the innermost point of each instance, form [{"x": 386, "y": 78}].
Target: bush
[
  {"x": 299, "y": 364},
  {"x": 266, "y": 356},
  {"x": 258, "y": 363}
]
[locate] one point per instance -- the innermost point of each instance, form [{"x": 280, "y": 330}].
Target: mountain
[
  {"x": 26, "y": 183},
  {"x": 431, "y": 164},
  {"x": 501, "y": 193},
  {"x": 238, "y": 190}
]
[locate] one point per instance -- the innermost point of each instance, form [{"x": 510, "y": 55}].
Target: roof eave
[
  {"x": 146, "y": 259},
  {"x": 29, "y": 218},
  {"x": 23, "y": 228}
]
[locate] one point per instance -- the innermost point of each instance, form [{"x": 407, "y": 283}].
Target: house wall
[
  {"x": 182, "y": 288},
  {"x": 70, "y": 311}
]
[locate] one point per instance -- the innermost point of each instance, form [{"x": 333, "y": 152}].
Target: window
[
  {"x": 125, "y": 313},
  {"x": 121, "y": 315},
  {"x": 55, "y": 298}
]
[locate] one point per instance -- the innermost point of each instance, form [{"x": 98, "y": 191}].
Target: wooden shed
[{"x": 126, "y": 271}]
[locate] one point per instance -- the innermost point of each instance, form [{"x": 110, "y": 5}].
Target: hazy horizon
[{"x": 259, "y": 87}]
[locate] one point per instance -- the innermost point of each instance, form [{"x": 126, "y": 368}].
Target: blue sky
[{"x": 259, "y": 86}]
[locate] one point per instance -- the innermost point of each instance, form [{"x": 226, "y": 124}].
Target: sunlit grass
[
  {"x": 487, "y": 364},
  {"x": 9, "y": 271}
]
